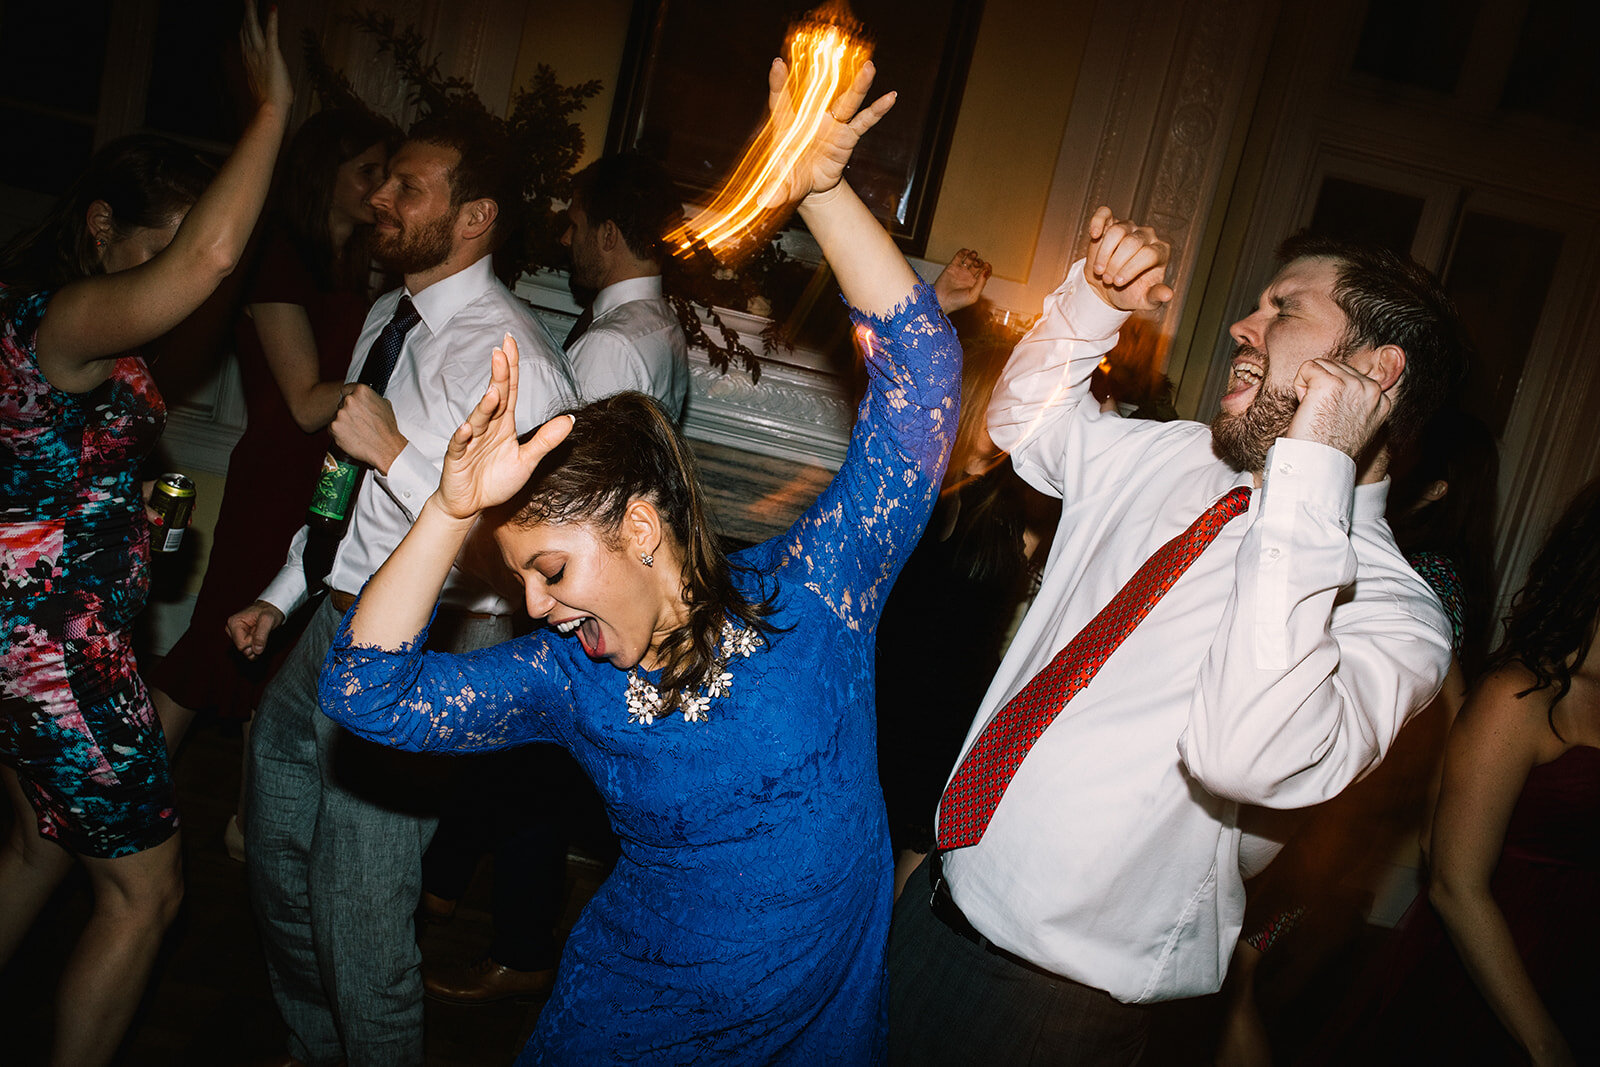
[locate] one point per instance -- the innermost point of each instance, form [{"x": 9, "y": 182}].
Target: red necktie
[{"x": 981, "y": 780}]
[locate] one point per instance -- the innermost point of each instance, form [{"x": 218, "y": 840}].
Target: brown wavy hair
[
  {"x": 145, "y": 180},
  {"x": 625, "y": 448}
]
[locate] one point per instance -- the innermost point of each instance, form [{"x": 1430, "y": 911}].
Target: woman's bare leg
[
  {"x": 175, "y": 719},
  {"x": 31, "y": 867},
  {"x": 135, "y": 899}
]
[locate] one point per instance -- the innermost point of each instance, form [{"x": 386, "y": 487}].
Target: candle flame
[{"x": 825, "y": 52}]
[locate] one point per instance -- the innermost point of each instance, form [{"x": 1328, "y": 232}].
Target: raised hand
[
  {"x": 1127, "y": 263},
  {"x": 264, "y": 68},
  {"x": 961, "y": 282},
  {"x": 484, "y": 463},
  {"x": 821, "y": 165}
]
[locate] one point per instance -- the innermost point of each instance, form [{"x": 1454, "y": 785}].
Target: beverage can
[
  {"x": 172, "y": 501},
  {"x": 335, "y": 486}
]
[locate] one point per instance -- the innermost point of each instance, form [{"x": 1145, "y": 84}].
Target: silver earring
[{"x": 647, "y": 559}]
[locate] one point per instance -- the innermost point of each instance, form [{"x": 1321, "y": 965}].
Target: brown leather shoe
[
  {"x": 435, "y": 910},
  {"x": 483, "y": 981}
]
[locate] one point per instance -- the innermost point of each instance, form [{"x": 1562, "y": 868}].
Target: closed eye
[{"x": 1286, "y": 306}]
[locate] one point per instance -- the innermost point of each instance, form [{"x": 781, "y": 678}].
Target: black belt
[{"x": 944, "y": 909}]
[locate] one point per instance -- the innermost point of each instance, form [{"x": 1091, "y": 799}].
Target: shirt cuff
[
  {"x": 1311, "y": 474},
  {"x": 1088, "y": 317},
  {"x": 411, "y": 480},
  {"x": 287, "y": 591}
]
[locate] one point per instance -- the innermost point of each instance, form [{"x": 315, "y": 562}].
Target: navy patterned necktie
[
  {"x": 385, "y": 350},
  {"x": 976, "y": 788},
  {"x": 578, "y": 328}
]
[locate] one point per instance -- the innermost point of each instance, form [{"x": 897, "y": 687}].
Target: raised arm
[
  {"x": 1497, "y": 740},
  {"x": 93, "y": 320},
  {"x": 872, "y": 273},
  {"x": 849, "y": 544},
  {"x": 1040, "y": 391}
]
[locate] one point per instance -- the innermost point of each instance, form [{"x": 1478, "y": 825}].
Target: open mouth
[
  {"x": 1244, "y": 377},
  {"x": 588, "y": 631}
]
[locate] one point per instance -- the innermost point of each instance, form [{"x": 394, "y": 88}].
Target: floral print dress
[
  {"x": 747, "y": 919},
  {"x": 75, "y": 720}
]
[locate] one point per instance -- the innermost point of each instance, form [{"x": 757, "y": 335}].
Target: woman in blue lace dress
[{"x": 723, "y": 707}]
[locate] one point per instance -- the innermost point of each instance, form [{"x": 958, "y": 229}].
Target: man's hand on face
[{"x": 1339, "y": 406}]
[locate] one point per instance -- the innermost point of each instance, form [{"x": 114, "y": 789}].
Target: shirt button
[
  {"x": 1272, "y": 555},
  {"x": 1286, "y": 468}
]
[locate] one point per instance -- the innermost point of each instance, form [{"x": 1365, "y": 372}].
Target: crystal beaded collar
[{"x": 645, "y": 701}]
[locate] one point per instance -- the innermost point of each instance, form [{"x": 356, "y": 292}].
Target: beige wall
[
  {"x": 207, "y": 500},
  {"x": 1006, "y": 140},
  {"x": 578, "y": 42},
  {"x": 1008, "y": 135}
]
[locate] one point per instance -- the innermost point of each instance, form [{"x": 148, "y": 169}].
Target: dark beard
[
  {"x": 1241, "y": 441},
  {"x": 416, "y": 252}
]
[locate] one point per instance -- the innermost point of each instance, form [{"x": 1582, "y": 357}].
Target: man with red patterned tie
[{"x": 1224, "y": 622}]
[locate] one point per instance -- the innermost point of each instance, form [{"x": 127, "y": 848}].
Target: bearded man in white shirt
[
  {"x": 1097, "y": 865},
  {"x": 334, "y": 852},
  {"x": 628, "y": 337}
]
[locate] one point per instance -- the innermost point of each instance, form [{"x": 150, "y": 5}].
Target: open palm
[
  {"x": 484, "y": 463},
  {"x": 820, "y": 166}
]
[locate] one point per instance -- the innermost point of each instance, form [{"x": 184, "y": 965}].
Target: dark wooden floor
[{"x": 208, "y": 1004}]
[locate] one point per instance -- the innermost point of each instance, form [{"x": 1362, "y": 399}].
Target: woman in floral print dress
[{"x": 135, "y": 246}]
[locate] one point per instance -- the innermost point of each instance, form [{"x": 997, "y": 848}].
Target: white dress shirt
[
  {"x": 634, "y": 342},
  {"x": 440, "y": 375},
  {"x": 1276, "y": 671}
]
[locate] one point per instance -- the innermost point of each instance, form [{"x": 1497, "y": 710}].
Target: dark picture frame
[{"x": 691, "y": 93}]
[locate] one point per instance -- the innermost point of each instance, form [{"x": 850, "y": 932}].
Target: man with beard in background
[
  {"x": 1224, "y": 621},
  {"x": 334, "y": 849}
]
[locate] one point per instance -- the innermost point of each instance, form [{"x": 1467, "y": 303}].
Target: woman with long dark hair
[
  {"x": 137, "y": 244},
  {"x": 722, "y": 706},
  {"x": 1501, "y": 967},
  {"x": 1516, "y": 853},
  {"x": 303, "y": 311}
]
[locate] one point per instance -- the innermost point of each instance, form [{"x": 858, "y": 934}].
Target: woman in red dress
[{"x": 302, "y": 314}]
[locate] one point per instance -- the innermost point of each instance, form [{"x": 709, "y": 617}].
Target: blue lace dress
[{"x": 747, "y": 918}]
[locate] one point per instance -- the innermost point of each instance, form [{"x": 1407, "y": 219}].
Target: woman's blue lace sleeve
[
  {"x": 850, "y": 544},
  {"x": 413, "y": 699}
]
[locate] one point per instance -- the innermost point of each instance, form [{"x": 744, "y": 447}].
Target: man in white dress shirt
[
  {"x": 628, "y": 337},
  {"x": 333, "y": 852},
  {"x": 1277, "y": 670}
]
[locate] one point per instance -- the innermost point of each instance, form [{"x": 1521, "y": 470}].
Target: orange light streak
[{"x": 825, "y": 53}]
